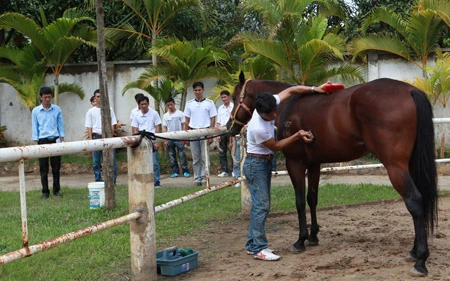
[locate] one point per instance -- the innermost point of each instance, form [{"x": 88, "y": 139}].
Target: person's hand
[
  {"x": 306, "y": 136},
  {"x": 319, "y": 88},
  {"x": 157, "y": 146},
  {"x": 218, "y": 139},
  {"x": 166, "y": 144},
  {"x": 210, "y": 141}
]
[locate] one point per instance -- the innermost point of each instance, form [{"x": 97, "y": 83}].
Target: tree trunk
[
  {"x": 155, "y": 63},
  {"x": 56, "y": 93},
  {"x": 108, "y": 155}
]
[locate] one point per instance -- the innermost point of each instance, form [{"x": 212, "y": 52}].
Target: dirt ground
[{"x": 366, "y": 242}]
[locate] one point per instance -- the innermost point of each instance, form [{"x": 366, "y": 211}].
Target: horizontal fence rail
[
  {"x": 65, "y": 148},
  {"x": 33, "y": 249}
]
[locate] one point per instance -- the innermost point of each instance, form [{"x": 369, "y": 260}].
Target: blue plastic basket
[{"x": 171, "y": 263}]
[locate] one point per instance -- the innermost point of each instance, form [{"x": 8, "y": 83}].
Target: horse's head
[{"x": 243, "y": 107}]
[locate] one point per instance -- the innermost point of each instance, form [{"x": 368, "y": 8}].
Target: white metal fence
[
  {"x": 141, "y": 191},
  {"x": 141, "y": 199}
]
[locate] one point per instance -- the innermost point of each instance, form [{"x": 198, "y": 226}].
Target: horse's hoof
[
  {"x": 415, "y": 273},
  {"x": 313, "y": 242},
  {"x": 411, "y": 258},
  {"x": 295, "y": 250}
]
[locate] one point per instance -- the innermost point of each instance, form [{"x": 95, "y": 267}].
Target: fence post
[
  {"x": 246, "y": 198},
  {"x": 141, "y": 198}
]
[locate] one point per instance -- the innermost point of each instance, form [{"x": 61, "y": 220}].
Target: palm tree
[
  {"x": 160, "y": 92},
  {"x": 154, "y": 16},
  {"x": 56, "y": 41},
  {"x": 301, "y": 47},
  {"x": 416, "y": 37},
  {"x": 436, "y": 85},
  {"x": 24, "y": 70},
  {"x": 184, "y": 63}
]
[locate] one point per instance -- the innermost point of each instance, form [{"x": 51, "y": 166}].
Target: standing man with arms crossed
[
  {"x": 200, "y": 113},
  {"x": 261, "y": 145},
  {"x": 223, "y": 114},
  {"x": 93, "y": 124},
  {"x": 47, "y": 127},
  {"x": 174, "y": 120},
  {"x": 148, "y": 119}
]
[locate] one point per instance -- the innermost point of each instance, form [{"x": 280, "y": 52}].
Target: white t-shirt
[
  {"x": 259, "y": 131},
  {"x": 134, "y": 111},
  {"x": 174, "y": 121},
  {"x": 94, "y": 120},
  {"x": 146, "y": 121},
  {"x": 200, "y": 113},
  {"x": 223, "y": 114}
]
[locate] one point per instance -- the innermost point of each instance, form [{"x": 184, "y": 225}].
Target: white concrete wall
[{"x": 18, "y": 118}]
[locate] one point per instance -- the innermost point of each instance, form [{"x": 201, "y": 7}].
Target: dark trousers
[
  {"x": 224, "y": 140},
  {"x": 55, "y": 162}
]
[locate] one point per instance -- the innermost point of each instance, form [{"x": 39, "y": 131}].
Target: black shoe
[
  {"x": 57, "y": 194},
  {"x": 44, "y": 195}
]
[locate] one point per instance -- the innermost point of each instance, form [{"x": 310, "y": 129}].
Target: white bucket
[{"x": 96, "y": 194}]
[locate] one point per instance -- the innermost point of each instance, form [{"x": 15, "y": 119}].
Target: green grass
[{"x": 106, "y": 255}]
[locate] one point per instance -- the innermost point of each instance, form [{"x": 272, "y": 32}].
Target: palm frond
[
  {"x": 390, "y": 44},
  {"x": 73, "y": 88}
]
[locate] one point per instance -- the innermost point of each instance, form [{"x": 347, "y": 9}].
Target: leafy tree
[
  {"x": 436, "y": 85},
  {"x": 24, "y": 70},
  {"x": 154, "y": 17},
  {"x": 161, "y": 91},
  {"x": 301, "y": 46},
  {"x": 184, "y": 63},
  {"x": 55, "y": 41},
  {"x": 415, "y": 37}
]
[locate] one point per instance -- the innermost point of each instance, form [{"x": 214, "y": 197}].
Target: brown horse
[{"x": 389, "y": 118}]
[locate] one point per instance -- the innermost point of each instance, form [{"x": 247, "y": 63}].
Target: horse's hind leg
[
  {"x": 296, "y": 171},
  {"x": 403, "y": 183},
  {"x": 313, "y": 192}
]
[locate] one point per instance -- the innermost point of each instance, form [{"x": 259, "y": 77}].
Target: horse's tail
[{"x": 423, "y": 159}]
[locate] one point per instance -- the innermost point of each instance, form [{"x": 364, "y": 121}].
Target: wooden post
[
  {"x": 141, "y": 198},
  {"x": 246, "y": 198}
]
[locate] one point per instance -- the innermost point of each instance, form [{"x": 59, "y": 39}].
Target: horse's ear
[{"x": 241, "y": 78}]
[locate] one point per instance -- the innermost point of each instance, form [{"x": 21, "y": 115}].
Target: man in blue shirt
[{"x": 48, "y": 127}]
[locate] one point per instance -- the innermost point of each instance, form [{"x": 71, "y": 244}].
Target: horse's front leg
[
  {"x": 313, "y": 191},
  {"x": 296, "y": 171}
]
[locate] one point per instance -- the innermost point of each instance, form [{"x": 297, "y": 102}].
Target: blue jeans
[
  {"x": 237, "y": 159},
  {"x": 97, "y": 160},
  {"x": 156, "y": 170},
  {"x": 172, "y": 150},
  {"x": 258, "y": 173}
]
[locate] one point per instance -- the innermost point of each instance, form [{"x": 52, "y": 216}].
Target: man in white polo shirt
[
  {"x": 93, "y": 123},
  {"x": 200, "y": 113},
  {"x": 148, "y": 119},
  {"x": 261, "y": 145},
  {"x": 223, "y": 115}
]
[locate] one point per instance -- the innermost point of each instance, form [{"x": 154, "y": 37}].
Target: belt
[
  {"x": 262, "y": 156},
  {"x": 50, "y": 139},
  {"x": 97, "y": 135}
]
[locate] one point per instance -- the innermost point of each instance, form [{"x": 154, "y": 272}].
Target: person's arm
[
  {"x": 134, "y": 130},
  {"x": 186, "y": 124},
  {"x": 279, "y": 145},
  {"x": 213, "y": 121},
  {"x": 300, "y": 89},
  {"x": 89, "y": 132},
  {"x": 164, "y": 129},
  {"x": 157, "y": 131},
  {"x": 60, "y": 124},
  {"x": 34, "y": 128}
]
